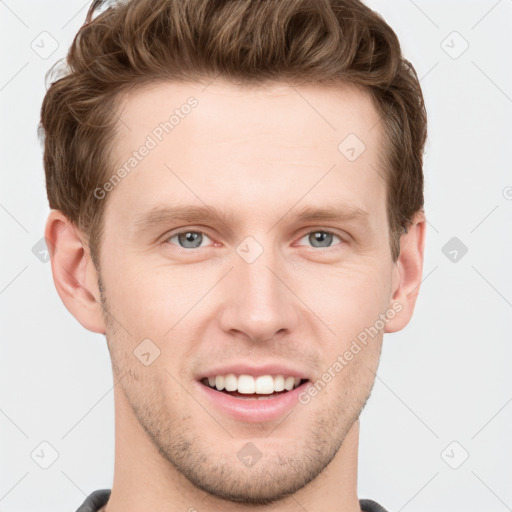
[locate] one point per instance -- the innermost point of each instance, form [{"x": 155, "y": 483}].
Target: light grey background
[{"x": 446, "y": 378}]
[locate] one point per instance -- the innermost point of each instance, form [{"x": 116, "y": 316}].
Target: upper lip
[{"x": 254, "y": 370}]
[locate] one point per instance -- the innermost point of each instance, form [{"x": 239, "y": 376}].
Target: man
[{"x": 237, "y": 204}]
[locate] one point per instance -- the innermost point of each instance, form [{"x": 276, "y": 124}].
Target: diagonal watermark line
[
  {"x": 298, "y": 503},
  {"x": 12, "y": 488},
  {"x": 75, "y": 15},
  {"x": 119, "y": 118},
  {"x": 508, "y": 508},
  {"x": 498, "y": 2},
  {"x": 429, "y": 71},
  {"x": 493, "y": 287},
  {"x": 430, "y": 273},
  {"x": 313, "y": 107},
  {"x": 12, "y": 280},
  {"x": 12, "y": 12},
  {"x": 14, "y": 76},
  {"x": 198, "y": 301},
  {"x": 85, "y": 494},
  {"x": 210, "y": 83},
  {"x": 407, "y": 502},
  {"x": 377, "y": 171},
  {"x": 14, "y": 218},
  {"x": 301, "y": 198},
  {"x": 301, "y": 300},
  {"x": 492, "y": 211},
  {"x": 432, "y": 226},
  {"x": 14, "y": 423},
  {"x": 492, "y": 81},
  {"x": 424, "y": 14},
  {"x": 492, "y": 418},
  {"x": 81, "y": 419},
  {"x": 377, "y": 377},
  {"x": 281, "y": 422},
  {"x": 380, "y": 119},
  {"x": 197, "y": 401}
]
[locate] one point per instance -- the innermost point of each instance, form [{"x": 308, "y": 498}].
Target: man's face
[{"x": 258, "y": 286}]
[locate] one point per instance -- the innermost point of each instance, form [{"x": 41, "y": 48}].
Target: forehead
[
  {"x": 328, "y": 108},
  {"x": 265, "y": 144}
]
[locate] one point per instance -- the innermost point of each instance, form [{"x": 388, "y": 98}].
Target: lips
[
  {"x": 253, "y": 408},
  {"x": 253, "y": 393}
]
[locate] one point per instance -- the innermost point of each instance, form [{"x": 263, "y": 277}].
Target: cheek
[
  {"x": 347, "y": 298},
  {"x": 162, "y": 303}
]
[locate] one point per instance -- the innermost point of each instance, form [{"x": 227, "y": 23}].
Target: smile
[{"x": 253, "y": 399}]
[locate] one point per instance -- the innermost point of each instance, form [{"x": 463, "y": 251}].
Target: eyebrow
[
  {"x": 160, "y": 215},
  {"x": 163, "y": 214}
]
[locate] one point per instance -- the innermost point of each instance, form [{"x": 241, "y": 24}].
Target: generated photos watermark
[
  {"x": 152, "y": 140},
  {"x": 356, "y": 346}
]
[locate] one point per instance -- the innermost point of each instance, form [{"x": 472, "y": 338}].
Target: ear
[
  {"x": 74, "y": 273},
  {"x": 407, "y": 273}
]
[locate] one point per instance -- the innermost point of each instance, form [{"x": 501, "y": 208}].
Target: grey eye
[
  {"x": 189, "y": 239},
  {"x": 320, "y": 238}
]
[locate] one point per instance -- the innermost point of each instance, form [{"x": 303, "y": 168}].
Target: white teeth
[
  {"x": 279, "y": 383},
  {"x": 264, "y": 385},
  {"x": 230, "y": 382},
  {"x": 247, "y": 384},
  {"x": 289, "y": 383},
  {"x": 219, "y": 382}
]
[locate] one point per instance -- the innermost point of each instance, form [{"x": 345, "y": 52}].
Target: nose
[{"x": 260, "y": 302}]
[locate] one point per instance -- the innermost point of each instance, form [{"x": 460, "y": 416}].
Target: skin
[{"x": 257, "y": 153}]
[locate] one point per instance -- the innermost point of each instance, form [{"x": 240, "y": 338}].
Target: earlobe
[
  {"x": 407, "y": 273},
  {"x": 74, "y": 274}
]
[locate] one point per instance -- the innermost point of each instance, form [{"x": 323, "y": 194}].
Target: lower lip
[{"x": 254, "y": 410}]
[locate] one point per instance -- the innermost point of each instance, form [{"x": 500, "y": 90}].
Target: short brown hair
[{"x": 246, "y": 42}]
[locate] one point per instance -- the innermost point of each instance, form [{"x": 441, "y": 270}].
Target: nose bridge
[{"x": 260, "y": 304}]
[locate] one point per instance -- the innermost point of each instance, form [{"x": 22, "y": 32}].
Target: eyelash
[{"x": 177, "y": 233}]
